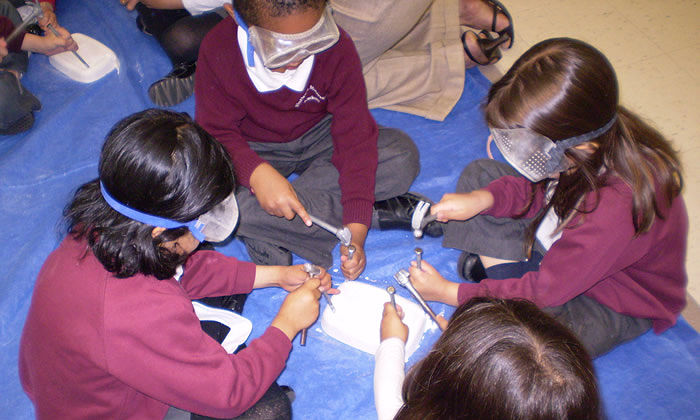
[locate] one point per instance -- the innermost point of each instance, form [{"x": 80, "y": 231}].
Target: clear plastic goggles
[
  {"x": 278, "y": 50},
  {"x": 535, "y": 156},
  {"x": 213, "y": 226}
]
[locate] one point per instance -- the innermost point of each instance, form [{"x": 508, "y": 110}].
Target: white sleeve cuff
[
  {"x": 196, "y": 7},
  {"x": 388, "y": 377}
]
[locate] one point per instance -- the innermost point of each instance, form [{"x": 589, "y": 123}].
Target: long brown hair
[
  {"x": 562, "y": 88},
  {"x": 502, "y": 359}
]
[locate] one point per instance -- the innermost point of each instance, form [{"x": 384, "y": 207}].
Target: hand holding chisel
[{"x": 314, "y": 271}]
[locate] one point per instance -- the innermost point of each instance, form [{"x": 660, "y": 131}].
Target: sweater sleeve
[
  {"x": 215, "y": 109},
  {"x": 510, "y": 196},
  {"x": 588, "y": 251},
  {"x": 6, "y": 28},
  {"x": 388, "y": 377},
  {"x": 355, "y": 133},
  {"x": 210, "y": 273},
  {"x": 154, "y": 343}
]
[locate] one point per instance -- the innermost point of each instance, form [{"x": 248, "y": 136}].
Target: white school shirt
[
  {"x": 196, "y": 7},
  {"x": 545, "y": 231},
  {"x": 266, "y": 80},
  {"x": 388, "y": 377}
]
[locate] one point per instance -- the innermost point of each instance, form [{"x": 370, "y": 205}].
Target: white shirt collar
[{"x": 266, "y": 80}]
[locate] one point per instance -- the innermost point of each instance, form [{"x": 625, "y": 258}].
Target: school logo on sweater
[{"x": 311, "y": 95}]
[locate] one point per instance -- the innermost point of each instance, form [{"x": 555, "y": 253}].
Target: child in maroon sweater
[
  {"x": 281, "y": 87},
  {"x": 607, "y": 235},
  {"x": 111, "y": 331}
]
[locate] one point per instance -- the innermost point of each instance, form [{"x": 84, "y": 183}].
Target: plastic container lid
[
  {"x": 358, "y": 315},
  {"x": 101, "y": 59}
]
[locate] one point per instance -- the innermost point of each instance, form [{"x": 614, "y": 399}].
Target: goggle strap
[
  {"x": 582, "y": 138},
  {"x": 146, "y": 218}
]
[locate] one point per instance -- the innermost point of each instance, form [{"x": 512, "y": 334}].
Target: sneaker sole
[{"x": 171, "y": 91}]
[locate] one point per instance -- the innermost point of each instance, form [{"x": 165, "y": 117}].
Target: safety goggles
[
  {"x": 278, "y": 50},
  {"x": 535, "y": 156},
  {"x": 213, "y": 226}
]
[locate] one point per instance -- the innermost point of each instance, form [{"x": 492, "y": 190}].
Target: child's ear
[
  {"x": 229, "y": 9},
  {"x": 157, "y": 231}
]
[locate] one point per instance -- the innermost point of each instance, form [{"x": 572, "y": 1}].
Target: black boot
[
  {"x": 175, "y": 87},
  {"x": 469, "y": 267},
  {"x": 396, "y": 213}
]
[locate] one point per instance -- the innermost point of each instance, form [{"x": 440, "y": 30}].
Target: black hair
[
  {"x": 158, "y": 162},
  {"x": 502, "y": 359},
  {"x": 254, "y": 12}
]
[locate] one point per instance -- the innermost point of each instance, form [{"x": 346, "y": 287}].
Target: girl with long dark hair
[{"x": 587, "y": 222}]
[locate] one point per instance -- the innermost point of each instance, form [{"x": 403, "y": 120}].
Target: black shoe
[
  {"x": 289, "y": 392},
  {"x": 470, "y": 268},
  {"x": 142, "y": 26},
  {"x": 263, "y": 253},
  {"x": 24, "y": 123},
  {"x": 396, "y": 213},
  {"x": 174, "y": 88}
]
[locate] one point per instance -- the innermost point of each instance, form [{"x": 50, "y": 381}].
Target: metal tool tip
[
  {"x": 391, "y": 290},
  {"x": 402, "y": 277}
]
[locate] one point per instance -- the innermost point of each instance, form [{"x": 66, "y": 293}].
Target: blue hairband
[{"x": 149, "y": 219}]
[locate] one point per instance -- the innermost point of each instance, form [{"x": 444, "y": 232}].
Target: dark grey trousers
[
  {"x": 318, "y": 190},
  {"x": 599, "y": 328},
  {"x": 15, "y": 100}
]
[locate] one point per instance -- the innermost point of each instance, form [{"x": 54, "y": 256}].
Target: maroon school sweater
[
  {"x": 599, "y": 256},
  {"x": 100, "y": 347},
  {"x": 6, "y": 28},
  {"x": 229, "y": 107}
]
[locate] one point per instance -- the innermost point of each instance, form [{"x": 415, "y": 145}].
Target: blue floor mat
[{"x": 652, "y": 377}]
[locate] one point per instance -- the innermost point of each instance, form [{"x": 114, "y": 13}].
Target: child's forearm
[
  {"x": 267, "y": 276},
  {"x": 450, "y": 294},
  {"x": 32, "y": 43}
]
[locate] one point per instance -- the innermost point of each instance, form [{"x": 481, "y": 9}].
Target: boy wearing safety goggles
[{"x": 281, "y": 87}]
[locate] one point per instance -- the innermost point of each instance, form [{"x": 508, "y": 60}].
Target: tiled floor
[{"x": 654, "y": 46}]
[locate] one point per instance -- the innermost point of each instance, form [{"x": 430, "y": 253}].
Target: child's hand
[
  {"x": 391, "y": 325},
  {"x": 294, "y": 276},
  {"x": 431, "y": 285},
  {"x": 276, "y": 195},
  {"x": 352, "y": 268},
  {"x": 462, "y": 206},
  {"x": 3, "y": 48},
  {"x": 50, "y": 44},
  {"x": 129, "y": 4},
  {"x": 49, "y": 16},
  {"x": 299, "y": 309}
]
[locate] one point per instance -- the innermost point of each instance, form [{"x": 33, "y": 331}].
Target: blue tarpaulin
[{"x": 652, "y": 377}]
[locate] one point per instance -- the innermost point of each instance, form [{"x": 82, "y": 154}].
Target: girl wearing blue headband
[{"x": 112, "y": 318}]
